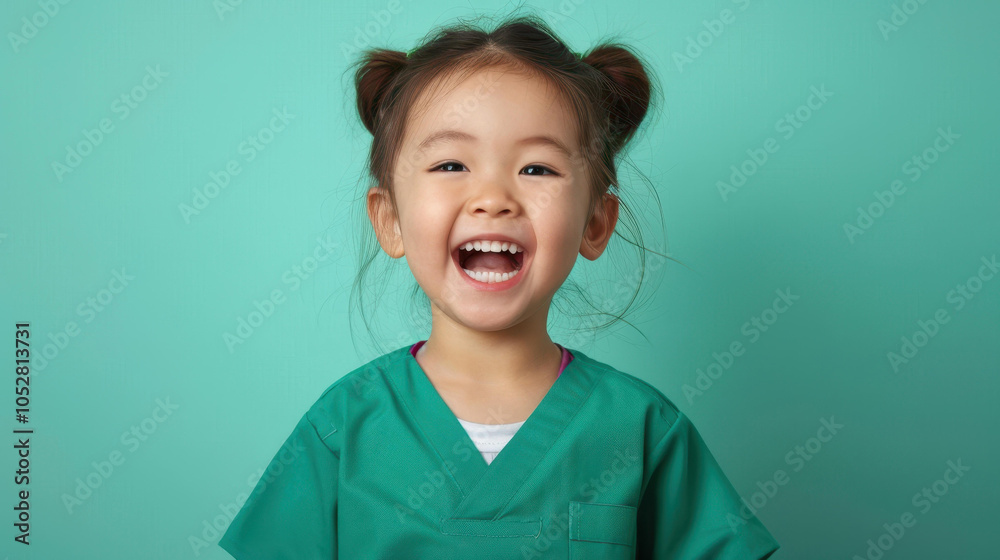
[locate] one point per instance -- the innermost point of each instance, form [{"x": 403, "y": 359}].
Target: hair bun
[
  {"x": 627, "y": 89},
  {"x": 376, "y": 72}
]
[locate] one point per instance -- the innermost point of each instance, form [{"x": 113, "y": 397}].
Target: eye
[
  {"x": 450, "y": 164},
  {"x": 540, "y": 168}
]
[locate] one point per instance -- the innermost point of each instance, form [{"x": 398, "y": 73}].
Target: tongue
[{"x": 489, "y": 262}]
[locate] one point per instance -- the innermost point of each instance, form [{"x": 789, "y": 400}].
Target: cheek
[
  {"x": 426, "y": 231},
  {"x": 558, "y": 235},
  {"x": 549, "y": 195},
  {"x": 558, "y": 212}
]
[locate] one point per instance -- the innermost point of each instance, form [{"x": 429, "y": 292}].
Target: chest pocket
[{"x": 601, "y": 531}]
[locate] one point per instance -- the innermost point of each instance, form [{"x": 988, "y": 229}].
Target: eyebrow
[{"x": 459, "y": 136}]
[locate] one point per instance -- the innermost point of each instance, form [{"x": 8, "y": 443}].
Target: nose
[{"x": 495, "y": 196}]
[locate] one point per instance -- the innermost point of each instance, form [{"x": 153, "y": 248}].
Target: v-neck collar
[{"x": 486, "y": 489}]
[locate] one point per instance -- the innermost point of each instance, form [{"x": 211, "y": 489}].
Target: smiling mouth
[{"x": 489, "y": 263}]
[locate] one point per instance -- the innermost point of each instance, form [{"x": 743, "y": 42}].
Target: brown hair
[{"x": 608, "y": 89}]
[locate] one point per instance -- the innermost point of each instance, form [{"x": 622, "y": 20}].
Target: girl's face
[{"x": 495, "y": 157}]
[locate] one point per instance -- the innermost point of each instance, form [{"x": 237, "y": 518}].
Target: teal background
[{"x": 61, "y": 242}]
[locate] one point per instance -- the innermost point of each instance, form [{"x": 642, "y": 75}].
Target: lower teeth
[{"x": 490, "y": 277}]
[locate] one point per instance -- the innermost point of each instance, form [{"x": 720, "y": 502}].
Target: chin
[{"x": 484, "y": 318}]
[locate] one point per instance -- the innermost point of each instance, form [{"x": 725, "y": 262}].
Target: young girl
[{"x": 492, "y": 159}]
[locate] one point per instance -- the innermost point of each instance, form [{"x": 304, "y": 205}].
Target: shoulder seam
[
  {"x": 315, "y": 410},
  {"x": 644, "y": 386},
  {"x": 378, "y": 363},
  {"x": 659, "y": 444}
]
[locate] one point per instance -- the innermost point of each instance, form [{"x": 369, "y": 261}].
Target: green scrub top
[{"x": 605, "y": 467}]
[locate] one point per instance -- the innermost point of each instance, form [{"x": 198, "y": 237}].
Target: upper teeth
[{"x": 492, "y": 246}]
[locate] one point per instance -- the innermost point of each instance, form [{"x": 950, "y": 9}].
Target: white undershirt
[{"x": 490, "y": 438}]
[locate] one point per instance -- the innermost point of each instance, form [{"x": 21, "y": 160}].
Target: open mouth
[{"x": 490, "y": 261}]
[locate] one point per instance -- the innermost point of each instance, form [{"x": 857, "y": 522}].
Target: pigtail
[
  {"x": 626, "y": 90},
  {"x": 377, "y": 70}
]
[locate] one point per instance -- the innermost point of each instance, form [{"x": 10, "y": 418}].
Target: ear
[
  {"x": 600, "y": 227},
  {"x": 384, "y": 221}
]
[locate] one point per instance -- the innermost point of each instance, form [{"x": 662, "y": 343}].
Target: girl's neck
[
  {"x": 481, "y": 386},
  {"x": 490, "y": 360}
]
